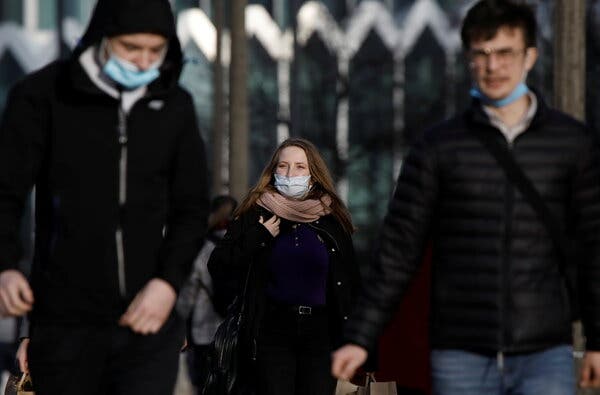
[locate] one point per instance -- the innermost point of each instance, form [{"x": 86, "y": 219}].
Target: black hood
[{"x": 115, "y": 17}]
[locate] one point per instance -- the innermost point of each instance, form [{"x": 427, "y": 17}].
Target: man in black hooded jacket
[{"x": 111, "y": 144}]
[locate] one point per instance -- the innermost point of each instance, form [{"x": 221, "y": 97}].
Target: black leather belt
[{"x": 304, "y": 310}]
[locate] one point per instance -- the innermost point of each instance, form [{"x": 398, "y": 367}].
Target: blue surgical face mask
[
  {"x": 520, "y": 91},
  {"x": 293, "y": 187},
  {"x": 128, "y": 74}
]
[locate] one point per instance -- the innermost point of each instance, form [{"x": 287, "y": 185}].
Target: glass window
[
  {"x": 314, "y": 100},
  {"x": 78, "y": 9},
  {"x": 337, "y": 8},
  {"x": 47, "y": 14},
  {"x": 11, "y": 10},
  {"x": 425, "y": 89},
  {"x": 268, "y": 4},
  {"x": 370, "y": 160},
  {"x": 180, "y": 5},
  {"x": 263, "y": 101},
  {"x": 282, "y": 12},
  {"x": 197, "y": 78}
]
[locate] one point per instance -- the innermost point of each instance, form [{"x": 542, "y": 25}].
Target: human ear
[{"x": 531, "y": 55}]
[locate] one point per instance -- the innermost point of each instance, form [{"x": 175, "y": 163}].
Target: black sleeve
[
  {"x": 22, "y": 145},
  {"x": 401, "y": 243},
  {"x": 228, "y": 264},
  {"x": 586, "y": 214}
]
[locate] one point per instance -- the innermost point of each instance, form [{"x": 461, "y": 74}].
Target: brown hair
[
  {"x": 485, "y": 18},
  {"x": 320, "y": 177}
]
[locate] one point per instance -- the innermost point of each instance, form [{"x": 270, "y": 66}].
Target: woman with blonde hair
[{"x": 291, "y": 238}]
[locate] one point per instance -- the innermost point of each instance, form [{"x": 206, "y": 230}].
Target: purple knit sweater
[{"x": 298, "y": 266}]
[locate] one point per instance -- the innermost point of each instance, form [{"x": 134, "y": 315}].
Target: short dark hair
[{"x": 486, "y": 17}]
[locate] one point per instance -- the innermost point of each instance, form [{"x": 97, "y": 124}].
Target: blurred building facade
[{"x": 360, "y": 78}]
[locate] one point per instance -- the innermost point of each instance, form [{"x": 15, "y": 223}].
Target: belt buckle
[{"x": 304, "y": 310}]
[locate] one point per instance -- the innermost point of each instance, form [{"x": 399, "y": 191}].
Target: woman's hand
[
  {"x": 272, "y": 224},
  {"x": 22, "y": 355}
]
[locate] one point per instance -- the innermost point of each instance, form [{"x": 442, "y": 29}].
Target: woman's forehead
[{"x": 292, "y": 154}]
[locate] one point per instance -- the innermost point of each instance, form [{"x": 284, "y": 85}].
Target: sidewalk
[{"x": 183, "y": 386}]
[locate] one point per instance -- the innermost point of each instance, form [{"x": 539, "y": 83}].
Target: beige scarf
[{"x": 308, "y": 210}]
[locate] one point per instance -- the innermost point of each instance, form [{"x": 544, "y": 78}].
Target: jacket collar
[{"x": 475, "y": 114}]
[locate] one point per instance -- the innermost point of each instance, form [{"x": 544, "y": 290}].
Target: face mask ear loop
[{"x": 525, "y": 72}]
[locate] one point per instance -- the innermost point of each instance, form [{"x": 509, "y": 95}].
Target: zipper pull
[{"x": 254, "y": 349}]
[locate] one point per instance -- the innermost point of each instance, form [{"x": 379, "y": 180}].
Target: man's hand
[
  {"x": 22, "y": 355},
  {"x": 346, "y": 360},
  {"x": 16, "y": 296},
  {"x": 150, "y": 308},
  {"x": 590, "y": 370}
]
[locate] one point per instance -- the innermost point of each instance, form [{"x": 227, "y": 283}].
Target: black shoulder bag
[
  {"x": 517, "y": 177},
  {"x": 226, "y": 356}
]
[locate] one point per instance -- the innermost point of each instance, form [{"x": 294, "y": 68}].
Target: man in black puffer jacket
[
  {"x": 501, "y": 317},
  {"x": 111, "y": 143}
]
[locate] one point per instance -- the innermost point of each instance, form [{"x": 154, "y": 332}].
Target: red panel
[{"x": 404, "y": 346}]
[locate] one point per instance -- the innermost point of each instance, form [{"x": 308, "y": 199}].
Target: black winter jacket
[
  {"x": 248, "y": 243},
  {"x": 59, "y": 133},
  {"x": 496, "y": 284}
]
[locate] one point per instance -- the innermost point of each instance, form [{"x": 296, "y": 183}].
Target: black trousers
[
  {"x": 294, "y": 353},
  {"x": 196, "y": 357},
  {"x": 98, "y": 360}
]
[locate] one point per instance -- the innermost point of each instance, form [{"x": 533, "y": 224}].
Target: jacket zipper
[
  {"x": 122, "y": 129},
  {"x": 504, "y": 283},
  {"x": 504, "y": 298}
]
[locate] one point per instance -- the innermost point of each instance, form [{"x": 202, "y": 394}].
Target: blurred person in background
[{"x": 195, "y": 299}]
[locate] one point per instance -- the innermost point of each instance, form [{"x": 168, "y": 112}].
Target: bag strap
[
  {"x": 518, "y": 178},
  {"x": 245, "y": 291}
]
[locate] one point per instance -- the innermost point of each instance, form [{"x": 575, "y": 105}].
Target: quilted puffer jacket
[{"x": 496, "y": 282}]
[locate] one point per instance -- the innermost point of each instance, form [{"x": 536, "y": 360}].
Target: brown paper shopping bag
[
  {"x": 19, "y": 385},
  {"x": 25, "y": 386},
  {"x": 374, "y": 387},
  {"x": 344, "y": 387}
]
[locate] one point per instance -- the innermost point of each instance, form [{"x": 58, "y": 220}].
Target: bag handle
[
  {"x": 518, "y": 178},
  {"x": 25, "y": 378},
  {"x": 369, "y": 378}
]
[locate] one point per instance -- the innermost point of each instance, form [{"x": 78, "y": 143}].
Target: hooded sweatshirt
[{"x": 113, "y": 210}]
